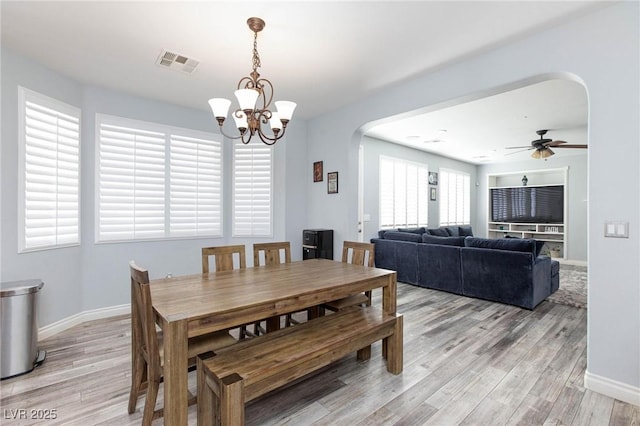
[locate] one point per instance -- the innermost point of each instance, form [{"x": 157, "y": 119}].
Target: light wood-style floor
[{"x": 466, "y": 362}]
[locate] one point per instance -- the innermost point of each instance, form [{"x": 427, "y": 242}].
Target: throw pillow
[
  {"x": 465, "y": 231},
  {"x": 452, "y": 231},
  {"x": 440, "y": 232}
]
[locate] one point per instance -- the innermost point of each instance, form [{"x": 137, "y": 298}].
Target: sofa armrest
[
  {"x": 505, "y": 276},
  {"x": 399, "y": 256}
]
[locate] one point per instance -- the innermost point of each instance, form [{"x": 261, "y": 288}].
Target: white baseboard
[
  {"x": 73, "y": 320},
  {"x": 573, "y": 262},
  {"x": 612, "y": 388}
]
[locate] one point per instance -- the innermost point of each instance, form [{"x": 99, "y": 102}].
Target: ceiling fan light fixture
[{"x": 546, "y": 153}]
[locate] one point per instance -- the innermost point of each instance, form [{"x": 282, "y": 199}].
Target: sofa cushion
[
  {"x": 403, "y": 236},
  {"x": 445, "y": 241},
  {"x": 420, "y": 230},
  {"x": 441, "y": 232},
  {"x": 513, "y": 244}
]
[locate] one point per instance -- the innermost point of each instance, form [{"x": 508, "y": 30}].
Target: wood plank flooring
[{"x": 466, "y": 362}]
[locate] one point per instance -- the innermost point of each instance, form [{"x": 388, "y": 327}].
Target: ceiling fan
[{"x": 542, "y": 146}]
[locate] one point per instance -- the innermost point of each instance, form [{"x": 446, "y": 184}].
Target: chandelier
[{"x": 254, "y": 96}]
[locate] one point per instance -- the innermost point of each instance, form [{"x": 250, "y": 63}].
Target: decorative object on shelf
[
  {"x": 433, "y": 178},
  {"x": 432, "y": 194},
  {"x": 254, "y": 96},
  {"x": 317, "y": 171},
  {"x": 332, "y": 183},
  {"x": 554, "y": 251},
  {"x": 524, "y": 180}
]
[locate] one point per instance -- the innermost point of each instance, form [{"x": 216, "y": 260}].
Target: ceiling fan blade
[
  {"x": 572, "y": 146},
  {"x": 554, "y": 143},
  {"x": 515, "y": 152},
  {"x": 519, "y": 147}
]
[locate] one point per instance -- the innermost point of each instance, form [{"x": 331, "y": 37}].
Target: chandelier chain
[{"x": 256, "y": 55}]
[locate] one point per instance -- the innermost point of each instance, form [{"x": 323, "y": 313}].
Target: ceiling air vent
[{"x": 177, "y": 62}]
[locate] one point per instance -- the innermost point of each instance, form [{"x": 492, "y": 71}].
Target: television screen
[{"x": 528, "y": 204}]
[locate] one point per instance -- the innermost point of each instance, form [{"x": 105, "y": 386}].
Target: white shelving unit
[{"x": 553, "y": 234}]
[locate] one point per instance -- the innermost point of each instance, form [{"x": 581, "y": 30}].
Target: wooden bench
[{"x": 244, "y": 371}]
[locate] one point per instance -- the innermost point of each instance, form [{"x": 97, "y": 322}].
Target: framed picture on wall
[
  {"x": 317, "y": 171},
  {"x": 332, "y": 183},
  {"x": 432, "y": 193}
]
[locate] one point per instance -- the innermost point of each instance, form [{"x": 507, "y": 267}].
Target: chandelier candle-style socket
[{"x": 254, "y": 95}]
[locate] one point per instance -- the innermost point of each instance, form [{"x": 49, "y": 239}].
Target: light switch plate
[{"x": 616, "y": 229}]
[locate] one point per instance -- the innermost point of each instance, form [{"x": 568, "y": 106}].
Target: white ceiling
[{"x": 322, "y": 55}]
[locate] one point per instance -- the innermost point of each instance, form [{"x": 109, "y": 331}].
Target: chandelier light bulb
[
  {"x": 247, "y": 98},
  {"x": 285, "y": 109},
  {"x": 275, "y": 122},
  {"x": 219, "y": 107},
  {"x": 241, "y": 121}
]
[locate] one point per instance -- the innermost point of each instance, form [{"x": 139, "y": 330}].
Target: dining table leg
[
  {"x": 175, "y": 371},
  {"x": 389, "y": 303}
]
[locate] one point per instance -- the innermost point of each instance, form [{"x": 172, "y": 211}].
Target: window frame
[
  {"x": 445, "y": 175},
  {"x": 26, "y": 95},
  {"x": 422, "y": 199},
  {"x": 168, "y": 133},
  {"x": 234, "y": 231}
]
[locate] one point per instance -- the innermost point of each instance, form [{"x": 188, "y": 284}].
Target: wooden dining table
[{"x": 192, "y": 305}]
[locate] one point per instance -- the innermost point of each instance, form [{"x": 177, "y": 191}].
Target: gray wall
[
  {"x": 576, "y": 229},
  {"x": 599, "y": 50},
  {"x": 373, "y": 149},
  {"x": 93, "y": 276}
]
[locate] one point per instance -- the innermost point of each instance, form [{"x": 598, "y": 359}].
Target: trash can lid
[{"x": 15, "y": 288}]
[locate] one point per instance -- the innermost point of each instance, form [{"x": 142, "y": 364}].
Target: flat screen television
[{"x": 528, "y": 204}]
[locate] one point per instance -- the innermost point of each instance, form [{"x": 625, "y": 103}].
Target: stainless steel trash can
[{"x": 18, "y": 327}]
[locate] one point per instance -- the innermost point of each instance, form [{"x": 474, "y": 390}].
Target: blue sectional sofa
[{"x": 507, "y": 270}]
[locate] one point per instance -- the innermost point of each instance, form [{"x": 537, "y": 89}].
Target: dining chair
[
  {"x": 273, "y": 254},
  {"x": 225, "y": 259},
  {"x": 147, "y": 347},
  {"x": 355, "y": 253}
]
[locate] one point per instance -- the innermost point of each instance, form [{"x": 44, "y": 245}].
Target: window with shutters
[
  {"x": 455, "y": 198},
  {"x": 403, "y": 193},
  {"x": 154, "y": 181},
  {"x": 252, "y": 190},
  {"x": 49, "y": 179}
]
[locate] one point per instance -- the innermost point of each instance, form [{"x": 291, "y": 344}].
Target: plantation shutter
[
  {"x": 196, "y": 186},
  {"x": 50, "y": 179},
  {"x": 455, "y": 198},
  {"x": 131, "y": 193},
  {"x": 252, "y": 190},
  {"x": 403, "y": 193}
]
